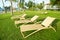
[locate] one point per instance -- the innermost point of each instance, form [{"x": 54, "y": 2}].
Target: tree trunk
[
  {"x": 3, "y": 4},
  {"x": 11, "y": 7}
]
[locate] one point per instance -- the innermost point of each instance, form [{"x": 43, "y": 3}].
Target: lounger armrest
[{"x": 52, "y": 28}]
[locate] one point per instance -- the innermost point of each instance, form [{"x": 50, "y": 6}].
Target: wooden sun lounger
[
  {"x": 19, "y": 16},
  {"x": 26, "y": 20},
  {"x": 44, "y": 25}
]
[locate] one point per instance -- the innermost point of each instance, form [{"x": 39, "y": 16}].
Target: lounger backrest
[
  {"x": 24, "y": 15},
  {"x": 47, "y": 21},
  {"x": 34, "y": 18}
]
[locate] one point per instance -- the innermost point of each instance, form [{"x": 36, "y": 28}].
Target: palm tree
[
  {"x": 21, "y": 3},
  {"x": 3, "y": 3}
]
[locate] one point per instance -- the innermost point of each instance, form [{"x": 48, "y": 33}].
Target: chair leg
[
  {"x": 52, "y": 28},
  {"x": 22, "y": 34},
  {"x": 34, "y": 32}
]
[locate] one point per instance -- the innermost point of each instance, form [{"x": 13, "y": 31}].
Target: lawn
[{"x": 8, "y": 30}]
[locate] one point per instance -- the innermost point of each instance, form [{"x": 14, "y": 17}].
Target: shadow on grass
[
  {"x": 0, "y": 38},
  {"x": 54, "y": 24},
  {"x": 28, "y": 32}
]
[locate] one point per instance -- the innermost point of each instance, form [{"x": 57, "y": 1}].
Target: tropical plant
[
  {"x": 40, "y": 6},
  {"x": 21, "y": 3},
  {"x": 55, "y": 2}
]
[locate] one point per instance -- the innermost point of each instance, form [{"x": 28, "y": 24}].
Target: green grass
[{"x": 8, "y": 30}]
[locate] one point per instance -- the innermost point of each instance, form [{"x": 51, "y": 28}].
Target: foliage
[
  {"x": 55, "y": 2},
  {"x": 21, "y": 3},
  {"x": 40, "y": 6},
  {"x": 33, "y": 6},
  {"x": 13, "y": 0},
  {"x": 52, "y": 1},
  {"x": 26, "y": 4},
  {"x": 30, "y": 4}
]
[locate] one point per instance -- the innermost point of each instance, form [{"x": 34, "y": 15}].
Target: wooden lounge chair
[
  {"x": 19, "y": 16},
  {"x": 26, "y": 20},
  {"x": 23, "y": 16},
  {"x": 44, "y": 25}
]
